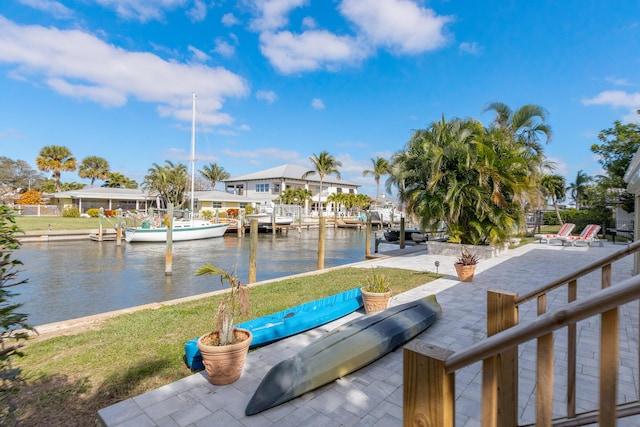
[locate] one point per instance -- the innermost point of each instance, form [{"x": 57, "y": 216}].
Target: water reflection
[{"x": 80, "y": 278}]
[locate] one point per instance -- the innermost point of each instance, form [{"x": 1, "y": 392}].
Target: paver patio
[{"x": 372, "y": 396}]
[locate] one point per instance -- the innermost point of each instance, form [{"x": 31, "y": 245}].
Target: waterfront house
[
  {"x": 268, "y": 184},
  {"x": 138, "y": 200}
]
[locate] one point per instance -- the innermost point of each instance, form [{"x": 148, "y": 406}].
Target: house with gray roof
[
  {"x": 139, "y": 200},
  {"x": 268, "y": 184}
]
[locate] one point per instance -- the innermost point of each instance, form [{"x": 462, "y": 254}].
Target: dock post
[
  {"x": 321, "y": 238},
  {"x": 253, "y": 250},
  {"x": 367, "y": 239},
  {"x": 402, "y": 233},
  {"x": 119, "y": 229},
  {"x": 168, "y": 267},
  {"x": 100, "y": 216}
]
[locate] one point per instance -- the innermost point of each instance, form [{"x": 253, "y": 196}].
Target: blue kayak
[{"x": 289, "y": 322}]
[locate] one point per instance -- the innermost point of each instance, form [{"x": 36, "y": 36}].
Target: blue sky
[{"x": 280, "y": 80}]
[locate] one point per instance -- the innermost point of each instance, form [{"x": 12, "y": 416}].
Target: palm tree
[
  {"x": 295, "y": 196},
  {"x": 554, "y": 186},
  {"x": 578, "y": 187},
  {"x": 94, "y": 167},
  {"x": 338, "y": 200},
  {"x": 214, "y": 173},
  {"x": 380, "y": 167},
  {"x": 523, "y": 126},
  {"x": 324, "y": 164},
  {"x": 169, "y": 181},
  {"x": 55, "y": 159},
  {"x": 473, "y": 178},
  {"x": 117, "y": 180}
]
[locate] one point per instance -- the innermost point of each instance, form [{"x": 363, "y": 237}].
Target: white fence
[{"x": 38, "y": 210}]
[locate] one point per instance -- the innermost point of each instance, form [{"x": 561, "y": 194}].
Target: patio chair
[
  {"x": 565, "y": 231},
  {"x": 588, "y": 235}
]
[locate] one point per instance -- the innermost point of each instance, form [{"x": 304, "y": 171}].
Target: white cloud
[
  {"x": 615, "y": 98},
  {"x": 272, "y": 14},
  {"x": 311, "y": 50},
  {"x": 198, "y": 55},
  {"x": 229, "y": 20},
  {"x": 224, "y": 48},
  {"x": 400, "y": 25},
  {"x": 264, "y": 153},
  {"x": 80, "y": 65},
  {"x": 56, "y": 9},
  {"x": 309, "y": 22},
  {"x": 632, "y": 117},
  {"x": 618, "y": 99},
  {"x": 317, "y": 104},
  {"x": 144, "y": 10},
  {"x": 10, "y": 134},
  {"x": 470, "y": 48},
  {"x": 617, "y": 81},
  {"x": 267, "y": 95},
  {"x": 198, "y": 12}
]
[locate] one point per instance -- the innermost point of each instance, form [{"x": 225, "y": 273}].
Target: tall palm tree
[
  {"x": 324, "y": 164},
  {"x": 117, "y": 180},
  {"x": 295, "y": 196},
  {"x": 56, "y": 159},
  {"x": 214, "y": 173},
  {"x": 473, "y": 178},
  {"x": 94, "y": 167},
  {"x": 578, "y": 187},
  {"x": 554, "y": 186},
  {"x": 380, "y": 167},
  {"x": 169, "y": 181},
  {"x": 525, "y": 126}
]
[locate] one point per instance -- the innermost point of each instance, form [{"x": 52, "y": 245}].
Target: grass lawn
[
  {"x": 37, "y": 223},
  {"x": 69, "y": 378}
]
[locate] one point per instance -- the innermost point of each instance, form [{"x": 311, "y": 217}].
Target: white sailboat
[{"x": 155, "y": 230}]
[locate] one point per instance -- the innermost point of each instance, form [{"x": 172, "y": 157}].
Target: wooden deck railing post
[
  {"x": 502, "y": 313},
  {"x": 428, "y": 390},
  {"x": 609, "y": 358},
  {"x": 544, "y": 372},
  {"x": 572, "y": 348}
]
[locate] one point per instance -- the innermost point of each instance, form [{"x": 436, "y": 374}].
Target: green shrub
[
  {"x": 602, "y": 216},
  {"x": 206, "y": 214},
  {"x": 12, "y": 322},
  {"x": 249, "y": 210},
  {"x": 93, "y": 212},
  {"x": 71, "y": 212}
]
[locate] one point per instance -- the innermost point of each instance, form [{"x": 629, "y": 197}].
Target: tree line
[{"x": 480, "y": 180}]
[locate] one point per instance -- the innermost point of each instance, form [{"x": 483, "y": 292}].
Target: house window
[
  {"x": 262, "y": 188},
  {"x": 216, "y": 205},
  {"x": 276, "y": 188},
  {"x": 339, "y": 190},
  {"x": 351, "y": 191}
]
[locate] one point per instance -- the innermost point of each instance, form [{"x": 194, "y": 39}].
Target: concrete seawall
[{"x": 61, "y": 235}]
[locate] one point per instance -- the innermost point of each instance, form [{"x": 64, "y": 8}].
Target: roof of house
[
  {"x": 102, "y": 193},
  {"x": 139, "y": 194},
  {"x": 288, "y": 172}
]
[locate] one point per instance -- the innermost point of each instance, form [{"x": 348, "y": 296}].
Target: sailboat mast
[{"x": 193, "y": 151}]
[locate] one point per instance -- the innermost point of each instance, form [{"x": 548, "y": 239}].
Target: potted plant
[
  {"x": 224, "y": 350},
  {"x": 376, "y": 292},
  {"x": 466, "y": 265}
]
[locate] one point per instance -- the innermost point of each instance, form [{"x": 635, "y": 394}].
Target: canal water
[{"x": 80, "y": 278}]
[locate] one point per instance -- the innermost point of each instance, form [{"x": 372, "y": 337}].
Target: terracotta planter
[
  {"x": 224, "y": 363},
  {"x": 374, "y": 301},
  {"x": 465, "y": 272}
]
